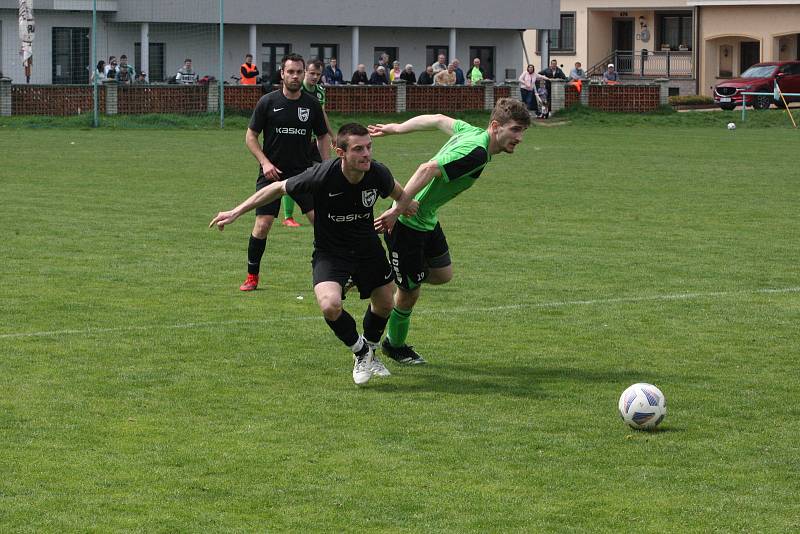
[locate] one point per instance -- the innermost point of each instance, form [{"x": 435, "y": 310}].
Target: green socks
[
  {"x": 397, "y": 329},
  {"x": 288, "y": 207}
]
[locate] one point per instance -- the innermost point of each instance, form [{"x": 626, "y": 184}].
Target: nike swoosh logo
[
  {"x": 335, "y": 194},
  {"x": 275, "y": 110}
]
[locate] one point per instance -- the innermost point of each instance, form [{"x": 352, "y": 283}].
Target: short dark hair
[
  {"x": 344, "y": 133},
  {"x": 248, "y": 55},
  {"x": 187, "y": 59},
  {"x": 315, "y": 63},
  {"x": 123, "y": 56},
  {"x": 292, "y": 57},
  {"x": 511, "y": 109}
]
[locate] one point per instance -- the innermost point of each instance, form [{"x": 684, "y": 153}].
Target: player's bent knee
[{"x": 331, "y": 308}]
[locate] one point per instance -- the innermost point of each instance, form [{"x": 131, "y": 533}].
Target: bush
[{"x": 690, "y": 100}]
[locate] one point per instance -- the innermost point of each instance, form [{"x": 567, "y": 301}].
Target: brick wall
[
  {"x": 571, "y": 95},
  {"x": 361, "y": 98},
  {"x": 162, "y": 99},
  {"x": 443, "y": 99},
  {"x": 627, "y": 98},
  {"x": 242, "y": 97},
  {"x": 501, "y": 91},
  {"x": 54, "y": 99}
]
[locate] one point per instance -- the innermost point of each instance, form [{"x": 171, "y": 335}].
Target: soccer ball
[
  {"x": 642, "y": 406},
  {"x": 731, "y": 126}
]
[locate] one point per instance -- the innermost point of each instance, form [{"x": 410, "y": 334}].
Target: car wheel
[
  {"x": 762, "y": 102},
  {"x": 727, "y": 107}
]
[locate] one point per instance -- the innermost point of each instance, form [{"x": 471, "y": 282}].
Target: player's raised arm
[
  {"x": 418, "y": 123},
  {"x": 259, "y": 198}
]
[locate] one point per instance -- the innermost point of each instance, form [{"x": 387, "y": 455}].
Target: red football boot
[
  {"x": 291, "y": 223},
  {"x": 250, "y": 284}
]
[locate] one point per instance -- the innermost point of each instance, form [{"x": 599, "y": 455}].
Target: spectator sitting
[
  {"x": 125, "y": 73},
  {"x": 185, "y": 74},
  {"x": 360, "y": 75},
  {"x": 577, "y": 73},
  {"x": 446, "y": 77},
  {"x": 333, "y": 74},
  {"x": 99, "y": 73},
  {"x": 610, "y": 76},
  {"x": 408, "y": 75},
  {"x": 426, "y": 78},
  {"x": 379, "y": 76},
  {"x": 112, "y": 64},
  {"x": 460, "y": 79},
  {"x": 141, "y": 78},
  {"x": 395, "y": 72},
  {"x": 476, "y": 73},
  {"x": 440, "y": 65}
]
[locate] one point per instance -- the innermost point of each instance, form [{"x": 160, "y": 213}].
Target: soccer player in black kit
[
  {"x": 346, "y": 243},
  {"x": 288, "y": 117}
]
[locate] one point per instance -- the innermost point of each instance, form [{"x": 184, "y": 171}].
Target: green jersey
[
  {"x": 317, "y": 92},
  {"x": 461, "y": 160}
]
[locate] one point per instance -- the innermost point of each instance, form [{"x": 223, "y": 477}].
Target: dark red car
[{"x": 760, "y": 78}]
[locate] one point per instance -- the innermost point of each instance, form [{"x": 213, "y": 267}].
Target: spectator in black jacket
[
  {"x": 360, "y": 75},
  {"x": 553, "y": 71},
  {"x": 379, "y": 76},
  {"x": 333, "y": 74},
  {"x": 426, "y": 78},
  {"x": 408, "y": 74}
]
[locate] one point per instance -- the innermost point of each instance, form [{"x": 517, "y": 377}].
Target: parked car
[{"x": 760, "y": 78}]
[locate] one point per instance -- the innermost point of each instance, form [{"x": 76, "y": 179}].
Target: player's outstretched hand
[
  {"x": 222, "y": 219},
  {"x": 385, "y": 221},
  {"x": 381, "y": 130}
]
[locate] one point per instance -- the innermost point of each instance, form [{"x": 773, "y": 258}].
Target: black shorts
[
  {"x": 305, "y": 201},
  {"x": 414, "y": 252},
  {"x": 367, "y": 274}
]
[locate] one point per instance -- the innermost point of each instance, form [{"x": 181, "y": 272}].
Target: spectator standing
[
  {"x": 125, "y": 72},
  {"x": 360, "y": 75},
  {"x": 379, "y": 76},
  {"x": 248, "y": 71},
  {"x": 552, "y": 72},
  {"x": 446, "y": 77},
  {"x": 408, "y": 75},
  {"x": 440, "y": 65},
  {"x": 460, "y": 79},
  {"x": 610, "y": 76},
  {"x": 185, "y": 74},
  {"x": 99, "y": 73},
  {"x": 476, "y": 73},
  {"x": 383, "y": 61},
  {"x": 333, "y": 74},
  {"x": 395, "y": 72},
  {"x": 528, "y": 81},
  {"x": 426, "y": 78},
  {"x": 111, "y": 65}
]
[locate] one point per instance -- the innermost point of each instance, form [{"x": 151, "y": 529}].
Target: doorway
[
  {"x": 622, "y": 43},
  {"x": 749, "y": 54}
]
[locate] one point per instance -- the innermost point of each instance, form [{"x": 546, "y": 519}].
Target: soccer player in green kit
[
  {"x": 417, "y": 245},
  {"x": 311, "y": 86}
]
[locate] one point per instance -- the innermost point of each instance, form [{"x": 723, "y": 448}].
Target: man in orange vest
[{"x": 249, "y": 71}]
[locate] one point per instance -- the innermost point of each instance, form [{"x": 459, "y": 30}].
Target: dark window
[
  {"x": 271, "y": 54},
  {"x": 391, "y": 51},
  {"x": 486, "y": 55},
  {"x": 324, "y": 52},
  {"x": 674, "y": 31},
  {"x": 155, "y": 58},
  {"x": 749, "y": 53},
  {"x": 432, "y": 54},
  {"x": 71, "y": 55},
  {"x": 563, "y": 39}
]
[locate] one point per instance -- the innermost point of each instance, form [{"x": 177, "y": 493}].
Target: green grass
[{"x": 140, "y": 390}]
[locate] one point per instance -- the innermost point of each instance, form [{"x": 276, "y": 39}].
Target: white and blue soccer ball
[
  {"x": 642, "y": 406},
  {"x": 731, "y": 126}
]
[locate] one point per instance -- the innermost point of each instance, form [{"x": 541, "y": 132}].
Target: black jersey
[
  {"x": 288, "y": 126},
  {"x": 344, "y": 222}
]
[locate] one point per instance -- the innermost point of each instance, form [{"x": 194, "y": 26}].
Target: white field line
[{"x": 463, "y": 310}]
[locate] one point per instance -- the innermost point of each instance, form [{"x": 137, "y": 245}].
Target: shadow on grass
[{"x": 518, "y": 381}]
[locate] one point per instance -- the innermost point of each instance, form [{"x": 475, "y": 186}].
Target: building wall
[
  {"x": 730, "y": 25},
  {"x": 201, "y": 43}
]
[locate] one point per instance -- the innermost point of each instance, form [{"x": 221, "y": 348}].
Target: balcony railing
[{"x": 657, "y": 64}]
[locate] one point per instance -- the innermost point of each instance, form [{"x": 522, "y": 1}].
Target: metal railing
[{"x": 646, "y": 64}]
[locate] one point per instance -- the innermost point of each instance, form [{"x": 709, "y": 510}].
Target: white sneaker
[
  {"x": 378, "y": 368},
  {"x": 362, "y": 368}
]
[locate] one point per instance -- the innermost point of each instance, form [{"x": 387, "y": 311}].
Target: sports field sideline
[{"x": 140, "y": 390}]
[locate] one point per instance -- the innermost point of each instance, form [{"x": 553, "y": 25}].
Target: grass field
[{"x": 140, "y": 390}]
